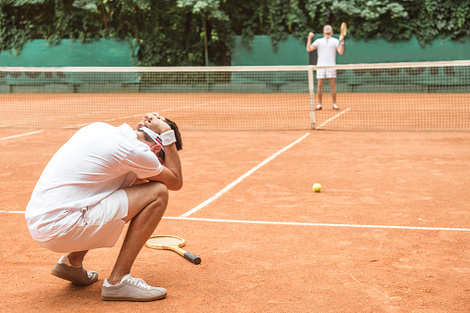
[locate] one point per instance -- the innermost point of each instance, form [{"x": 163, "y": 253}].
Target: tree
[
  {"x": 200, "y": 32},
  {"x": 208, "y": 10}
]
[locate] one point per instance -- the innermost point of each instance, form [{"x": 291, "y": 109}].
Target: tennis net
[{"x": 424, "y": 96}]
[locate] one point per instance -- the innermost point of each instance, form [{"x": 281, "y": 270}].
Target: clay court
[{"x": 389, "y": 232}]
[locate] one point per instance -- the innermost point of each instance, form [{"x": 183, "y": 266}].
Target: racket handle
[{"x": 192, "y": 258}]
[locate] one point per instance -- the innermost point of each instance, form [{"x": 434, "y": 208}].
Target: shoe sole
[
  {"x": 71, "y": 279},
  {"x": 111, "y": 298}
]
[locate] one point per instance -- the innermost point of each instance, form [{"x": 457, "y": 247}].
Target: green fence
[
  {"x": 112, "y": 53},
  {"x": 292, "y": 52},
  {"x": 38, "y": 53}
]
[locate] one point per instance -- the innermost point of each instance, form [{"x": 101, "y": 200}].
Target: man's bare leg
[
  {"x": 76, "y": 258},
  {"x": 333, "y": 88},
  {"x": 333, "y": 91},
  {"x": 320, "y": 90},
  {"x": 147, "y": 203}
]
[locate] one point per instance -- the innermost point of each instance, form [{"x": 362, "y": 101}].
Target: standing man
[
  {"x": 327, "y": 48},
  {"x": 88, "y": 192}
]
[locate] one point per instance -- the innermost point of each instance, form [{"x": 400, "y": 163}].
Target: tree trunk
[{"x": 206, "y": 52}]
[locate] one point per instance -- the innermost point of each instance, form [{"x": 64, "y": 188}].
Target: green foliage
[{"x": 172, "y": 32}]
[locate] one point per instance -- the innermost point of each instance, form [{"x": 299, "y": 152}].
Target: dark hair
[{"x": 174, "y": 127}]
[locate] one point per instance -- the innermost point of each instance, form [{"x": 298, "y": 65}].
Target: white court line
[
  {"x": 317, "y": 224},
  {"x": 22, "y": 135},
  {"x": 332, "y": 118},
  {"x": 298, "y": 223},
  {"x": 239, "y": 179}
]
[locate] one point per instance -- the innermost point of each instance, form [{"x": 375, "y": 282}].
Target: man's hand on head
[{"x": 155, "y": 122}]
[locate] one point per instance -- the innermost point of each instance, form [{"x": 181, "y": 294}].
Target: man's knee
[
  {"x": 159, "y": 192},
  {"x": 154, "y": 194},
  {"x": 141, "y": 195}
]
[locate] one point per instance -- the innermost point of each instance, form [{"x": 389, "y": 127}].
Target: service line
[
  {"x": 239, "y": 179},
  {"x": 320, "y": 224},
  {"x": 332, "y": 225},
  {"x": 332, "y": 118}
]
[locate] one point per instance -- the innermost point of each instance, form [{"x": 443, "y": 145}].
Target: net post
[{"x": 311, "y": 91}]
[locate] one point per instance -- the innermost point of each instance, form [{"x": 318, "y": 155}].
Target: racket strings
[
  {"x": 164, "y": 241},
  {"x": 344, "y": 29}
]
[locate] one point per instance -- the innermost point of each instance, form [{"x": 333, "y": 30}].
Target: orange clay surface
[
  {"x": 248, "y": 111},
  {"x": 270, "y": 244}
]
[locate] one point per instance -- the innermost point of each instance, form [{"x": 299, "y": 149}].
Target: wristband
[{"x": 168, "y": 137}]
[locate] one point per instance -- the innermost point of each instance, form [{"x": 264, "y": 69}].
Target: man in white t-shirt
[
  {"x": 327, "y": 48},
  {"x": 100, "y": 179}
]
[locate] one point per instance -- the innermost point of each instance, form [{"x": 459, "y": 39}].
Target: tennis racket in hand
[
  {"x": 344, "y": 29},
  {"x": 169, "y": 242}
]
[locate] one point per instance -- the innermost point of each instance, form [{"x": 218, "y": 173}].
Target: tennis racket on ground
[
  {"x": 344, "y": 29},
  {"x": 168, "y": 242}
]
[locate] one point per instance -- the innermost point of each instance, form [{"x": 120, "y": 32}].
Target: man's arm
[
  {"x": 171, "y": 175},
  {"x": 341, "y": 46},
  {"x": 309, "y": 45}
]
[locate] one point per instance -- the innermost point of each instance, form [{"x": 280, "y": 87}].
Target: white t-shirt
[
  {"x": 98, "y": 160},
  {"x": 326, "y": 51}
]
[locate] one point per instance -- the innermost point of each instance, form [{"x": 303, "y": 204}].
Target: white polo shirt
[
  {"x": 98, "y": 160},
  {"x": 326, "y": 51}
]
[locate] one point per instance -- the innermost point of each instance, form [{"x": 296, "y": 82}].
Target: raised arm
[
  {"x": 310, "y": 47},
  {"x": 341, "y": 46}
]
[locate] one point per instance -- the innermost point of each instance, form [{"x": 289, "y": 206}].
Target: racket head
[
  {"x": 344, "y": 29},
  {"x": 165, "y": 242}
]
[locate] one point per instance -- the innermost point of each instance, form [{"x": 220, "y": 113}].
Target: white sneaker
[
  {"x": 131, "y": 289},
  {"x": 319, "y": 107},
  {"x": 335, "y": 107}
]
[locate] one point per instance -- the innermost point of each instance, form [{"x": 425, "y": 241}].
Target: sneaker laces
[{"x": 138, "y": 282}]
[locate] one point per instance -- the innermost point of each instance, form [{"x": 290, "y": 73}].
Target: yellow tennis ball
[{"x": 316, "y": 187}]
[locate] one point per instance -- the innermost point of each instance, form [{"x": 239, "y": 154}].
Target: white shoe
[
  {"x": 131, "y": 289},
  {"x": 335, "y": 107},
  {"x": 319, "y": 107}
]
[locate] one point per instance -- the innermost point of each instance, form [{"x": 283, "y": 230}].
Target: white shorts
[
  {"x": 326, "y": 73},
  {"x": 99, "y": 226}
]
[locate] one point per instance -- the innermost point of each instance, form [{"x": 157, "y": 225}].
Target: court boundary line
[
  {"x": 241, "y": 178},
  {"x": 332, "y": 118},
  {"x": 331, "y": 225},
  {"x": 320, "y": 224},
  {"x": 22, "y": 135}
]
